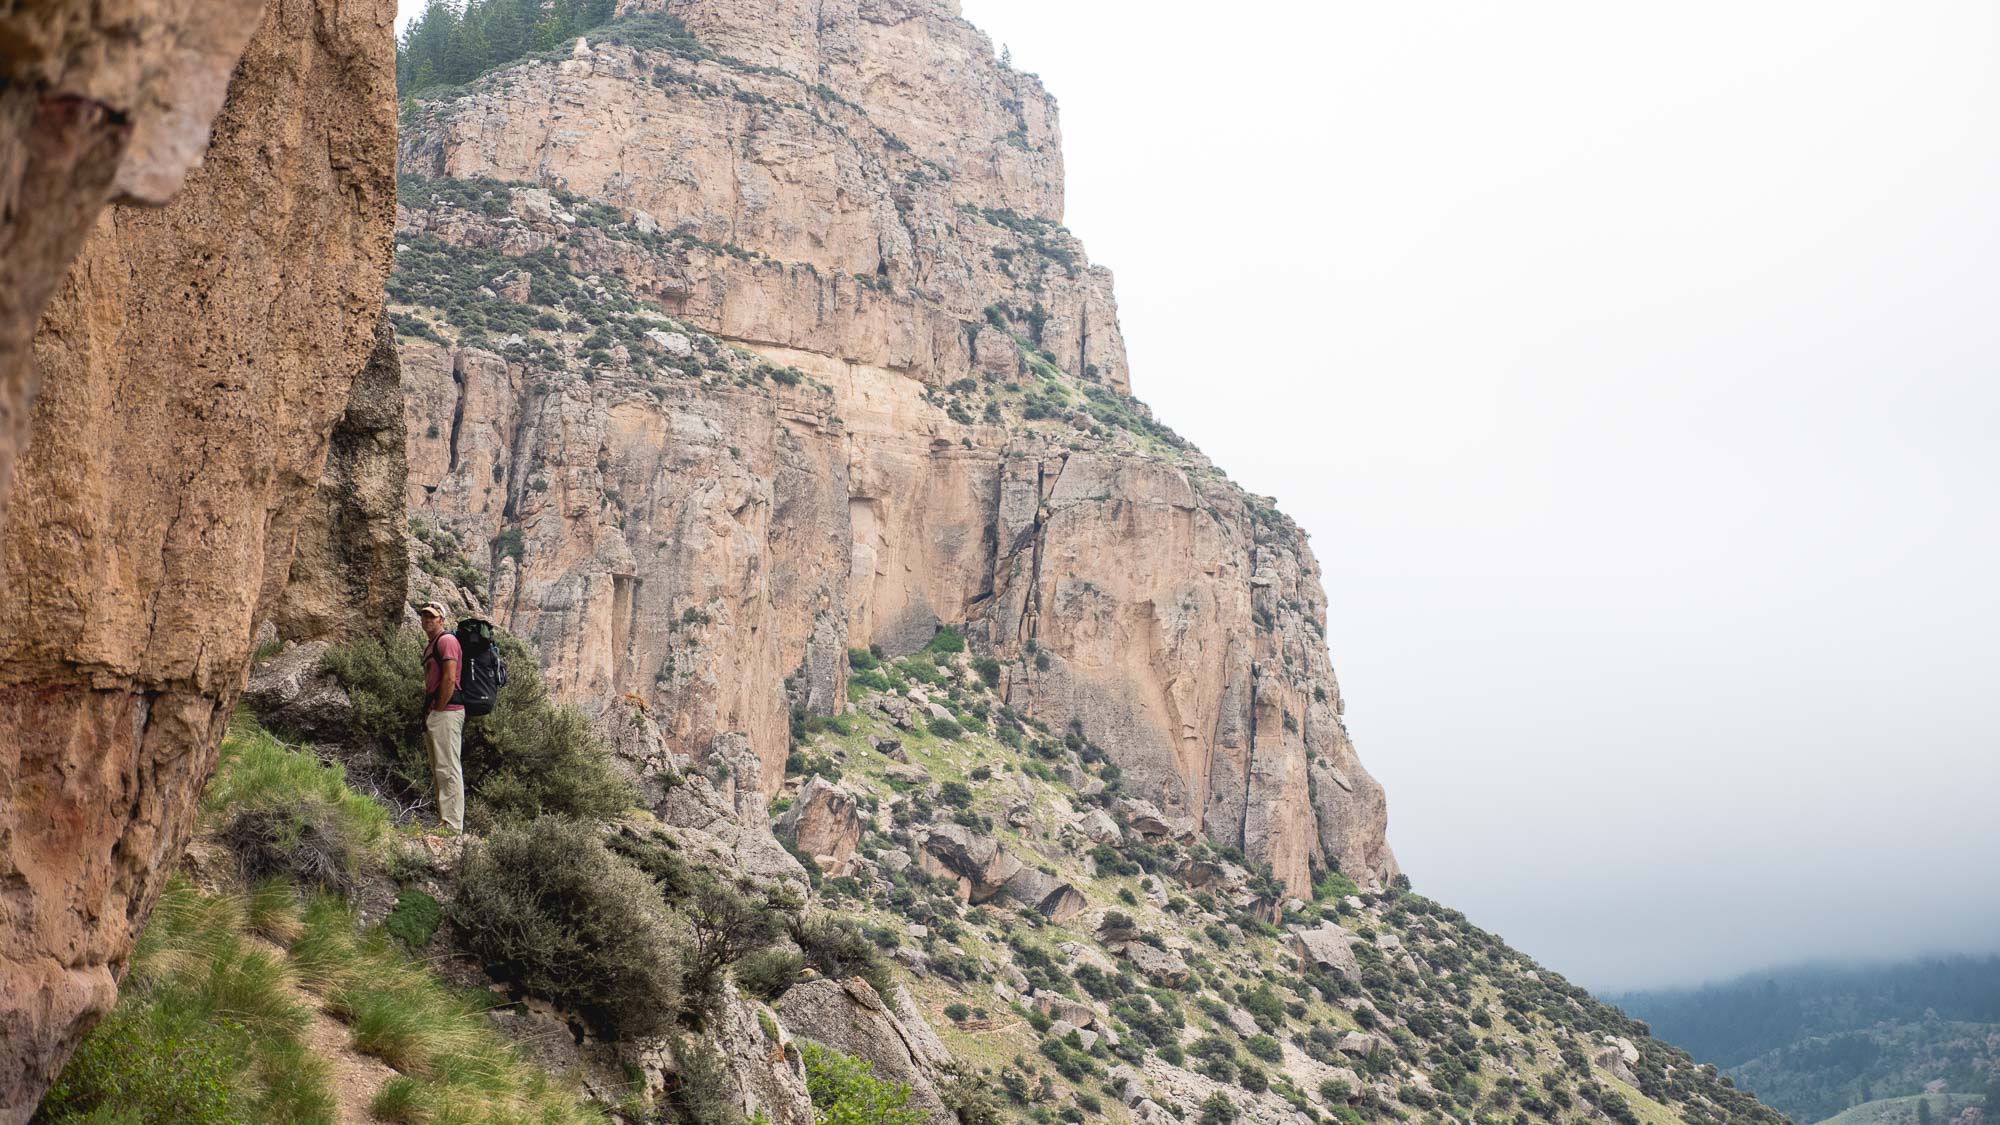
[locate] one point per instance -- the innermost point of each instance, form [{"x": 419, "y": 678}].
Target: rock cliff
[
  {"x": 96, "y": 101},
  {"x": 193, "y": 363},
  {"x": 738, "y": 335}
]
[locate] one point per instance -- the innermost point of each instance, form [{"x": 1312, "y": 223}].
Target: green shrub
[
  {"x": 945, "y": 728},
  {"x": 1264, "y": 1047},
  {"x": 845, "y": 1091},
  {"x": 531, "y": 757},
  {"x": 414, "y": 918},
  {"x": 971, "y": 1098},
  {"x": 146, "y": 1063},
  {"x": 767, "y": 973},
  {"x": 724, "y": 925},
  {"x": 1218, "y": 1110},
  {"x": 947, "y": 640},
  {"x": 861, "y": 660},
  {"x": 988, "y": 669},
  {"x": 383, "y": 677},
  {"x": 836, "y": 948},
  {"x": 547, "y": 906}
]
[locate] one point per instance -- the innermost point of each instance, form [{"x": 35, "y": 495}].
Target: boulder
[
  {"x": 1053, "y": 897},
  {"x": 824, "y": 822},
  {"x": 1062, "y": 1009},
  {"x": 292, "y": 695},
  {"x": 1097, "y": 826},
  {"x": 974, "y": 857},
  {"x": 850, "y": 1017},
  {"x": 1361, "y": 1044},
  {"x": 1162, "y": 966},
  {"x": 1241, "y": 1022},
  {"x": 1326, "y": 946}
]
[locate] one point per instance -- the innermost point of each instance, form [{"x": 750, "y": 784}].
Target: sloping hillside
[{"x": 1814, "y": 1041}]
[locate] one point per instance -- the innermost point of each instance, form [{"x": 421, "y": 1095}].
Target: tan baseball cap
[{"x": 431, "y": 609}]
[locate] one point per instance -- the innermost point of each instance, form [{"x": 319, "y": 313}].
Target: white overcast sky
[{"x": 1636, "y": 370}]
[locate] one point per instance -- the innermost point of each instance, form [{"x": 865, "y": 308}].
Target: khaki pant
[{"x": 444, "y": 732}]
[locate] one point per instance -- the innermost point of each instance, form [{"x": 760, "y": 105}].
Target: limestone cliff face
[
  {"x": 750, "y": 339},
  {"x": 97, "y": 101},
  {"x": 193, "y": 363}
]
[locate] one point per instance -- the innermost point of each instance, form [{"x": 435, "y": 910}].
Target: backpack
[{"x": 484, "y": 672}]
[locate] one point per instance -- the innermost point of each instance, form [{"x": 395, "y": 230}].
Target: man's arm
[{"x": 447, "y": 683}]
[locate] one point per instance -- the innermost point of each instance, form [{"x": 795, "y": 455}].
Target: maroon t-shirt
[{"x": 443, "y": 649}]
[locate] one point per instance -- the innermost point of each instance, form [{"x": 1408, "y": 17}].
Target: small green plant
[
  {"x": 835, "y": 947},
  {"x": 414, "y": 918},
  {"x": 845, "y": 1091}
]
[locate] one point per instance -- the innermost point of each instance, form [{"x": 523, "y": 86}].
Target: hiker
[{"x": 444, "y": 716}]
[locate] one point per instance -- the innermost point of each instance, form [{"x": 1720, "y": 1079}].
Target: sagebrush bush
[
  {"x": 304, "y": 844},
  {"x": 383, "y": 677},
  {"x": 767, "y": 973},
  {"x": 531, "y": 757},
  {"x": 837, "y": 948},
  {"x": 547, "y": 906},
  {"x": 723, "y": 923}
]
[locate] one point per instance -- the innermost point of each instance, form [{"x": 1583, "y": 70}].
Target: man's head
[{"x": 433, "y": 619}]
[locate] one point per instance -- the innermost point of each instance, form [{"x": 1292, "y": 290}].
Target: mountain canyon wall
[{"x": 845, "y": 379}]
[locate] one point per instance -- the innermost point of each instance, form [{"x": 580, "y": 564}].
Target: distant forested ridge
[
  {"x": 1814, "y": 1041},
  {"x": 451, "y": 43}
]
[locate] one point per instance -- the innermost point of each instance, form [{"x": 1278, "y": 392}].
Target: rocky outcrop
[
  {"x": 1326, "y": 947},
  {"x": 97, "y": 102},
  {"x": 809, "y": 363},
  {"x": 351, "y": 562},
  {"x": 1055, "y": 898},
  {"x": 193, "y": 364},
  {"x": 977, "y": 862},
  {"x": 850, "y": 1017},
  {"x": 824, "y": 824}
]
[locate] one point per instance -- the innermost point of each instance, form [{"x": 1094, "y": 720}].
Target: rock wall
[
  {"x": 96, "y": 101},
  {"x": 351, "y": 562},
  {"x": 881, "y": 390},
  {"x": 194, "y": 361}
]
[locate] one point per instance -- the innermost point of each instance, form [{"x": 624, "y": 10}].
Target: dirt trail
[{"x": 353, "y": 1078}]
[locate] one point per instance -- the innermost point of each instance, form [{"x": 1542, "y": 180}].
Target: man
[{"x": 444, "y": 720}]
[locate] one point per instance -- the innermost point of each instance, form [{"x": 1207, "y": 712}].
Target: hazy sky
[{"x": 1636, "y": 370}]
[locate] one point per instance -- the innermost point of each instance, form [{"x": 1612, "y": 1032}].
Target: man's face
[{"x": 433, "y": 625}]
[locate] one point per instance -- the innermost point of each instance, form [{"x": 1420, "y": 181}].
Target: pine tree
[{"x": 1923, "y": 1111}]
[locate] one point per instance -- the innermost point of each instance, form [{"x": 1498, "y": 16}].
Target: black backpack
[{"x": 484, "y": 673}]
